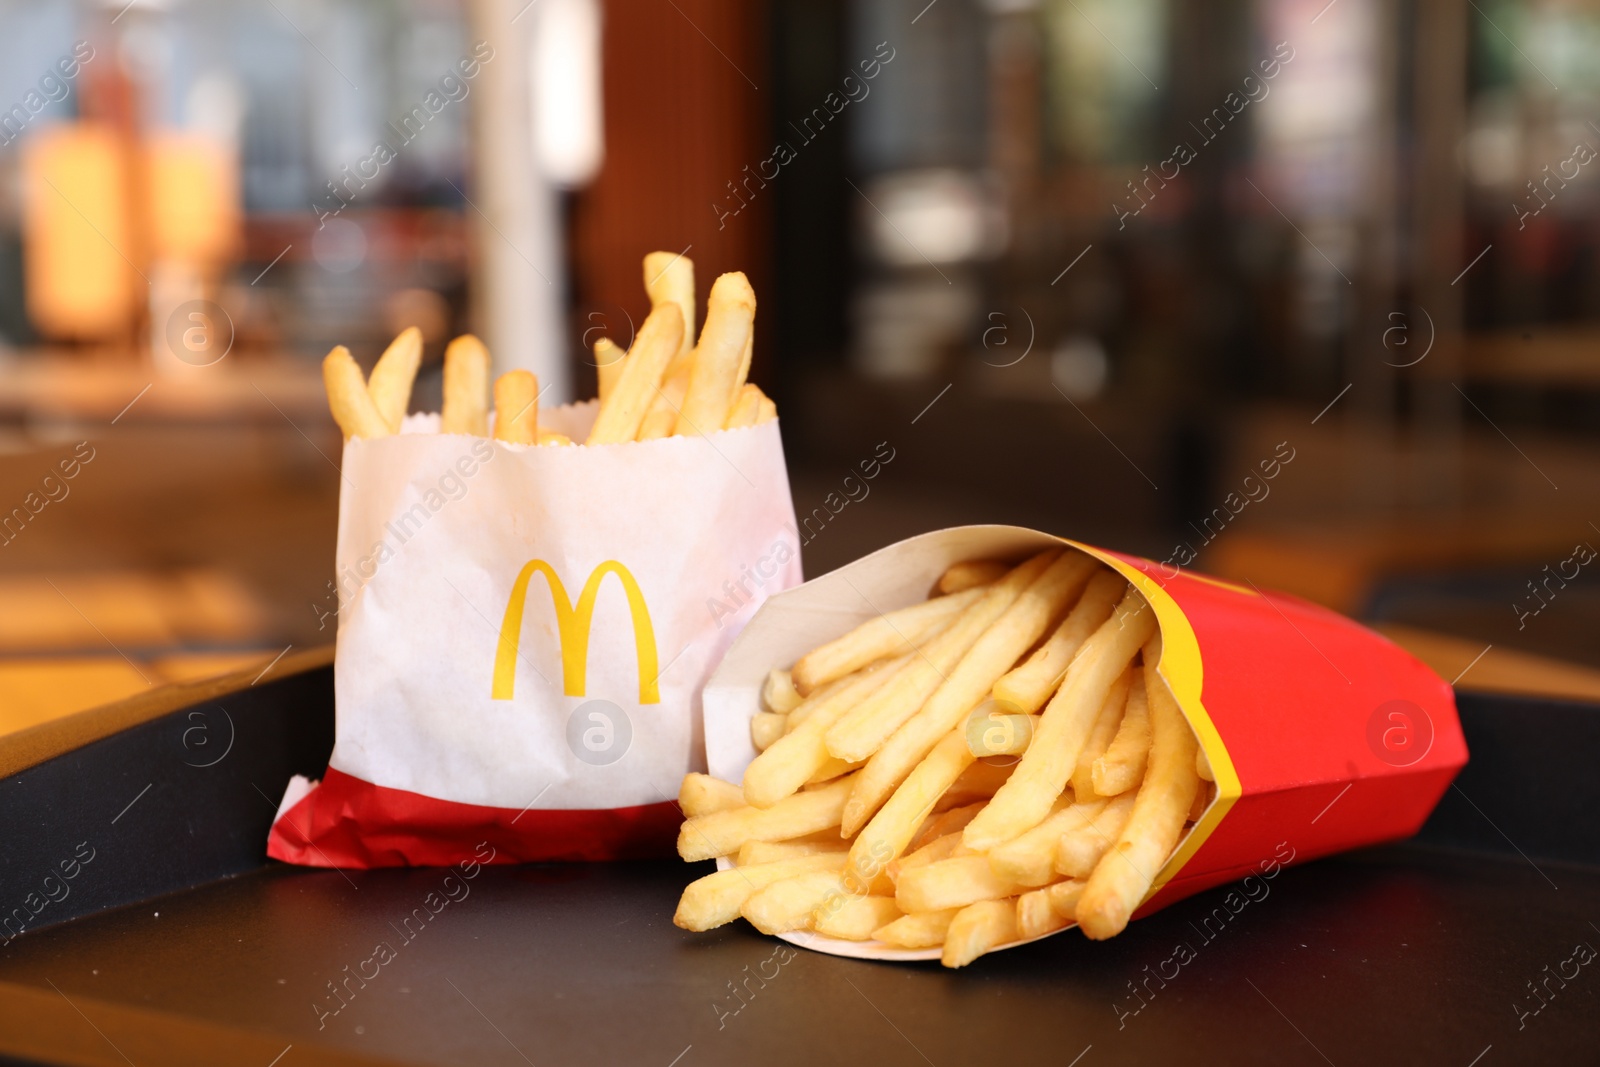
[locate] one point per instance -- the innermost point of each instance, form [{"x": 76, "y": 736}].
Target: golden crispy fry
[
  {"x": 886, "y": 836},
  {"x": 1202, "y": 765},
  {"x": 812, "y": 844},
  {"x": 744, "y": 359},
  {"x": 778, "y": 692},
  {"x": 608, "y": 360},
  {"x": 716, "y": 899},
  {"x": 1122, "y": 766},
  {"x": 1077, "y": 851},
  {"x": 669, "y": 279},
  {"x": 746, "y": 407},
  {"x": 1202, "y": 800},
  {"x": 979, "y": 928},
  {"x": 715, "y": 375},
  {"x": 550, "y": 437},
  {"x": 833, "y": 768},
  {"x": 1030, "y": 859},
  {"x": 940, "y": 848},
  {"x": 721, "y": 833},
  {"x": 1028, "y": 687},
  {"x": 991, "y": 732},
  {"x": 1064, "y": 897},
  {"x": 348, "y": 399},
  {"x": 1105, "y": 728},
  {"x": 787, "y": 905},
  {"x": 799, "y": 754},
  {"x": 1035, "y": 915},
  {"x": 1124, "y": 876},
  {"x": 959, "y": 577},
  {"x": 766, "y": 727},
  {"x": 623, "y": 411},
  {"x": 1023, "y": 623},
  {"x": 922, "y": 930},
  {"x": 663, "y": 414},
  {"x": 466, "y": 387},
  {"x": 767, "y": 410},
  {"x": 978, "y": 782},
  {"x": 1025, "y": 799},
  {"x": 947, "y": 822},
  {"x": 516, "y": 407},
  {"x": 702, "y": 794},
  {"x": 890, "y": 634},
  {"x": 391, "y": 380},
  {"x": 854, "y": 918},
  {"x": 952, "y": 883}
]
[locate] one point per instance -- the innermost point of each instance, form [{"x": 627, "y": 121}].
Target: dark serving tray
[{"x": 176, "y": 943}]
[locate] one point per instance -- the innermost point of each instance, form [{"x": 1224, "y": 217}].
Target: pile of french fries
[
  {"x": 665, "y": 385},
  {"x": 985, "y": 767}
]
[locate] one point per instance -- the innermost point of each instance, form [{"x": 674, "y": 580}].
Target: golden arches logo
[{"x": 572, "y": 628}]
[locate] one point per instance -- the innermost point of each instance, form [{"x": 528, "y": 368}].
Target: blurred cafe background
[{"x": 1296, "y": 292}]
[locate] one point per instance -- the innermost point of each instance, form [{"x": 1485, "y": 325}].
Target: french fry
[
  {"x": 854, "y": 918},
  {"x": 1064, "y": 897},
  {"x": 1121, "y": 880},
  {"x": 1079, "y": 850},
  {"x": 669, "y": 279},
  {"x": 940, "y": 848},
  {"x": 922, "y": 930},
  {"x": 766, "y": 727},
  {"x": 888, "y": 833},
  {"x": 978, "y": 782},
  {"x": 995, "y": 733},
  {"x": 793, "y": 758},
  {"x": 348, "y": 399},
  {"x": 1102, "y": 733},
  {"x": 724, "y": 832},
  {"x": 755, "y": 852},
  {"x": 778, "y": 692},
  {"x": 744, "y": 360},
  {"x": 767, "y": 410},
  {"x": 890, "y": 634},
  {"x": 663, "y": 414},
  {"x": 702, "y": 794},
  {"x": 863, "y": 730},
  {"x": 516, "y": 407},
  {"x": 1027, "y": 688},
  {"x": 979, "y": 928},
  {"x": 746, "y": 408},
  {"x": 608, "y": 360},
  {"x": 1202, "y": 800},
  {"x": 833, "y": 768},
  {"x": 622, "y": 412},
  {"x": 1025, "y": 799},
  {"x": 818, "y": 697},
  {"x": 715, "y": 374},
  {"x": 1030, "y": 859},
  {"x": 787, "y": 904},
  {"x": 466, "y": 387},
  {"x": 947, "y": 822},
  {"x": 1036, "y": 916},
  {"x": 959, "y": 577},
  {"x": 550, "y": 437},
  {"x": 1023, "y": 623},
  {"x": 711, "y": 901},
  {"x": 1202, "y": 765},
  {"x": 952, "y": 883},
  {"x": 1122, "y": 766},
  {"x": 392, "y": 378}
]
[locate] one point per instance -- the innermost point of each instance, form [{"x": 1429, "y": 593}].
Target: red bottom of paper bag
[{"x": 347, "y": 822}]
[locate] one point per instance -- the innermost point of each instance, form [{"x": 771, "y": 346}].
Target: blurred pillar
[
  {"x": 517, "y": 248},
  {"x": 1439, "y": 210}
]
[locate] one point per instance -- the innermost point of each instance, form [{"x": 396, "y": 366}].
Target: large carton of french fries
[
  {"x": 985, "y": 735},
  {"x": 526, "y": 623}
]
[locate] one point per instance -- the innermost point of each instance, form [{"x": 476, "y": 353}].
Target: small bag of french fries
[
  {"x": 531, "y": 598},
  {"x": 985, "y": 735}
]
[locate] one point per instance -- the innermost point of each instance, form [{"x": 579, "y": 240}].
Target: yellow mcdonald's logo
[{"x": 572, "y": 626}]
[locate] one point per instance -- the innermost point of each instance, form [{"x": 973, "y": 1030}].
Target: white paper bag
[{"x": 523, "y": 636}]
